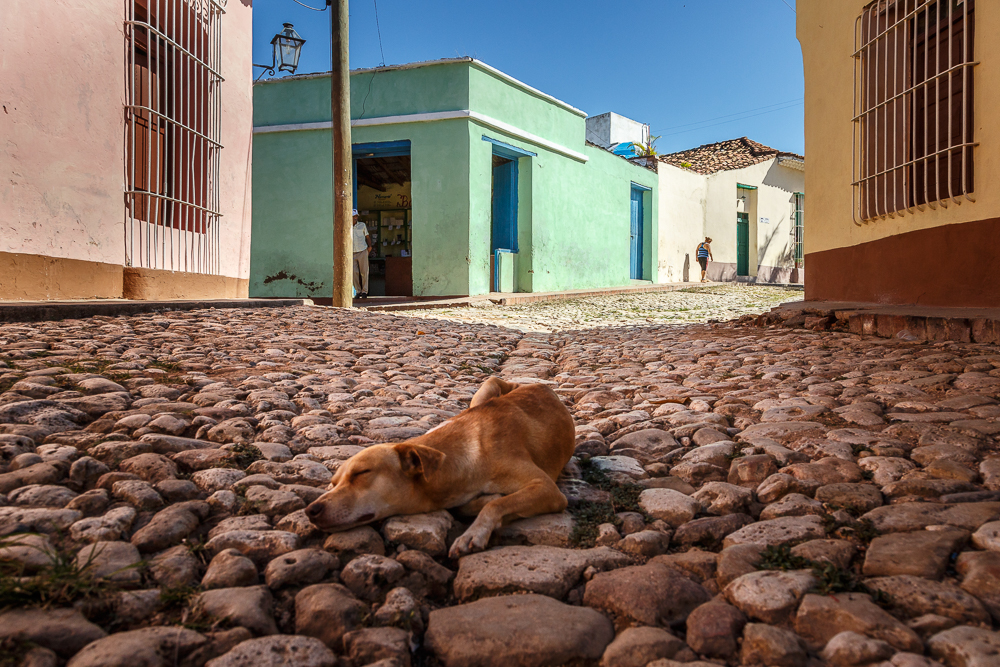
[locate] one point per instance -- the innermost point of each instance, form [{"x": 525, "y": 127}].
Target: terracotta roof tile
[{"x": 725, "y": 156}]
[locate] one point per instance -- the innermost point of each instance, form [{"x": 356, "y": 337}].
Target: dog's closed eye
[{"x": 359, "y": 473}]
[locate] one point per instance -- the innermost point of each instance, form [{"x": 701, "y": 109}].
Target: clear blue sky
[{"x": 686, "y": 67}]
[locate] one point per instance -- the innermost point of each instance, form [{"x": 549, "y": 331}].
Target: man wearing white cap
[{"x": 362, "y": 246}]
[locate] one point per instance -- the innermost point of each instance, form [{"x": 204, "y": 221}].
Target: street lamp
[{"x": 285, "y": 57}]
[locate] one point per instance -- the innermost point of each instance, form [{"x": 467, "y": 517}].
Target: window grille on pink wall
[
  {"x": 172, "y": 134},
  {"x": 913, "y": 107}
]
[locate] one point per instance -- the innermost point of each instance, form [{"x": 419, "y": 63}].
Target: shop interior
[{"x": 384, "y": 205}]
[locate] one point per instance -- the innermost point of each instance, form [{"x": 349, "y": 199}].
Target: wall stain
[{"x": 283, "y": 275}]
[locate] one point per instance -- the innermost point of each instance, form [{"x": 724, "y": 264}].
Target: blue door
[
  {"x": 505, "y": 207},
  {"x": 635, "y": 235}
]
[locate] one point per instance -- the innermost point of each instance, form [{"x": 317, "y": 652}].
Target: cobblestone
[
  {"x": 784, "y": 470},
  {"x": 722, "y": 302}
]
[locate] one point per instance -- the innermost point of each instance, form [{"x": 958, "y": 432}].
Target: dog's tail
[{"x": 492, "y": 388}]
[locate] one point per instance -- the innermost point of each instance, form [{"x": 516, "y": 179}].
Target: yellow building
[{"x": 903, "y": 133}]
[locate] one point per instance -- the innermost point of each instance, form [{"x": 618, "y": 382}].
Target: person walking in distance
[
  {"x": 362, "y": 247},
  {"x": 704, "y": 254}
]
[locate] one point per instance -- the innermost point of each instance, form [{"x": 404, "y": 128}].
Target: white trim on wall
[{"x": 433, "y": 117}]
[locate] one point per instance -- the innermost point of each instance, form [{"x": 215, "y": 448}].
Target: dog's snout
[{"x": 314, "y": 510}]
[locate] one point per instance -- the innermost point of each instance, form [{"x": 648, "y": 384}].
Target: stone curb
[
  {"x": 911, "y": 323},
  {"x": 41, "y": 311}
]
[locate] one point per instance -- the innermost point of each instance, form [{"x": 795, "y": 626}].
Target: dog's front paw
[{"x": 474, "y": 539}]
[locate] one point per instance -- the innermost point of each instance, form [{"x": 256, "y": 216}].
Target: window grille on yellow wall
[
  {"x": 913, "y": 106},
  {"x": 172, "y": 134},
  {"x": 798, "y": 229}
]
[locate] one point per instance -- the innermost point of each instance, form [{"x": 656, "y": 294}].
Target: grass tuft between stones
[
  {"x": 830, "y": 579},
  {"x": 588, "y": 515},
  {"x": 63, "y": 582},
  {"x": 13, "y": 650},
  {"x": 243, "y": 454},
  {"x": 780, "y": 557}
]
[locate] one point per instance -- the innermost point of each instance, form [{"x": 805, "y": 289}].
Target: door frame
[
  {"x": 637, "y": 248},
  {"x": 742, "y": 218},
  {"x": 514, "y": 154},
  {"x": 377, "y": 149}
]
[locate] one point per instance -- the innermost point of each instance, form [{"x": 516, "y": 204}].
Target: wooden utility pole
[{"x": 343, "y": 189}]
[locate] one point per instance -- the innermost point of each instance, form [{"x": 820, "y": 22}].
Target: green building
[{"x": 469, "y": 180}]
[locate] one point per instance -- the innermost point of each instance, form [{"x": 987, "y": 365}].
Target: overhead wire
[
  {"x": 378, "y": 27},
  {"x": 733, "y": 120},
  {"x": 308, "y": 7},
  {"x": 739, "y": 113}
]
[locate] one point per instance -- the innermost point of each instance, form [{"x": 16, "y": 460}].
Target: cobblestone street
[
  {"x": 739, "y": 496},
  {"x": 720, "y": 302}
]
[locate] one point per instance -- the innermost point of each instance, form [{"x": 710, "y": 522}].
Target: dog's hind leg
[
  {"x": 539, "y": 496},
  {"x": 492, "y": 388}
]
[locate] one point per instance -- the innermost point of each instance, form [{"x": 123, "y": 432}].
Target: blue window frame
[{"x": 508, "y": 151}]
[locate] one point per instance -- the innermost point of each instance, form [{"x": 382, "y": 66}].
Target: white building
[
  {"x": 610, "y": 130},
  {"x": 747, "y": 197}
]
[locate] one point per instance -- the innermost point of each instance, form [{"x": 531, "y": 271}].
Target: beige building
[
  {"x": 125, "y": 156},
  {"x": 749, "y": 198},
  {"x": 901, "y": 123}
]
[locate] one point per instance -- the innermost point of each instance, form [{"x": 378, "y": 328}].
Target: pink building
[{"x": 125, "y": 135}]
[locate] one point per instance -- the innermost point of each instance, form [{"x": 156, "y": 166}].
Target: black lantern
[{"x": 287, "y": 46}]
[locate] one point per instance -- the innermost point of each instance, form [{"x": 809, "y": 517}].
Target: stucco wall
[
  {"x": 573, "y": 214},
  {"x": 292, "y": 248},
  {"x": 683, "y": 199},
  {"x": 237, "y": 137},
  {"x": 610, "y": 128},
  {"x": 578, "y": 217},
  {"x": 62, "y": 87},
  {"x": 61, "y": 140},
  {"x": 771, "y": 244},
  {"x": 693, "y": 206},
  {"x": 494, "y": 97},
  {"x": 826, "y": 33}
]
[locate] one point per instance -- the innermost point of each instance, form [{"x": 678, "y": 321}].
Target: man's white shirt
[{"x": 360, "y": 232}]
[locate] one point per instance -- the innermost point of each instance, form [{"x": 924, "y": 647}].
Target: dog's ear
[{"x": 418, "y": 460}]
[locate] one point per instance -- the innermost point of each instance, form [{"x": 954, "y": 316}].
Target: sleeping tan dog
[{"x": 500, "y": 458}]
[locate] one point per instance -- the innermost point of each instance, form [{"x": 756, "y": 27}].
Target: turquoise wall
[
  {"x": 293, "y": 209},
  {"x": 292, "y": 242},
  {"x": 492, "y": 96},
  {"x": 306, "y": 99},
  {"x": 573, "y": 217}
]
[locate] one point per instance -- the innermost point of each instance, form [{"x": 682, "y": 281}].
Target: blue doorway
[
  {"x": 503, "y": 208},
  {"x": 636, "y": 235},
  {"x": 504, "y": 232}
]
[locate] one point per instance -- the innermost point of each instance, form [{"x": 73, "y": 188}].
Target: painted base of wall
[
  {"x": 777, "y": 274},
  {"x": 158, "y": 285},
  {"x": 725, "y": 272},
  {"x": 954, "y": 265},
  {"x": 26, "y": 277}
]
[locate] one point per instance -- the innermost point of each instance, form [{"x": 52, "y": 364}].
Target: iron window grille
[
  {"x": 798, "y": 229},
  {"x": 913, "y": 107},
  {"x": 172, "y": 134}
]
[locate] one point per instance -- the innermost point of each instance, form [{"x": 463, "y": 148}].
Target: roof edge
[
  {"x": 526, "y": 88},
  {"x": 517, "y": 83},
  {"x": 362, "y": 70}
]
